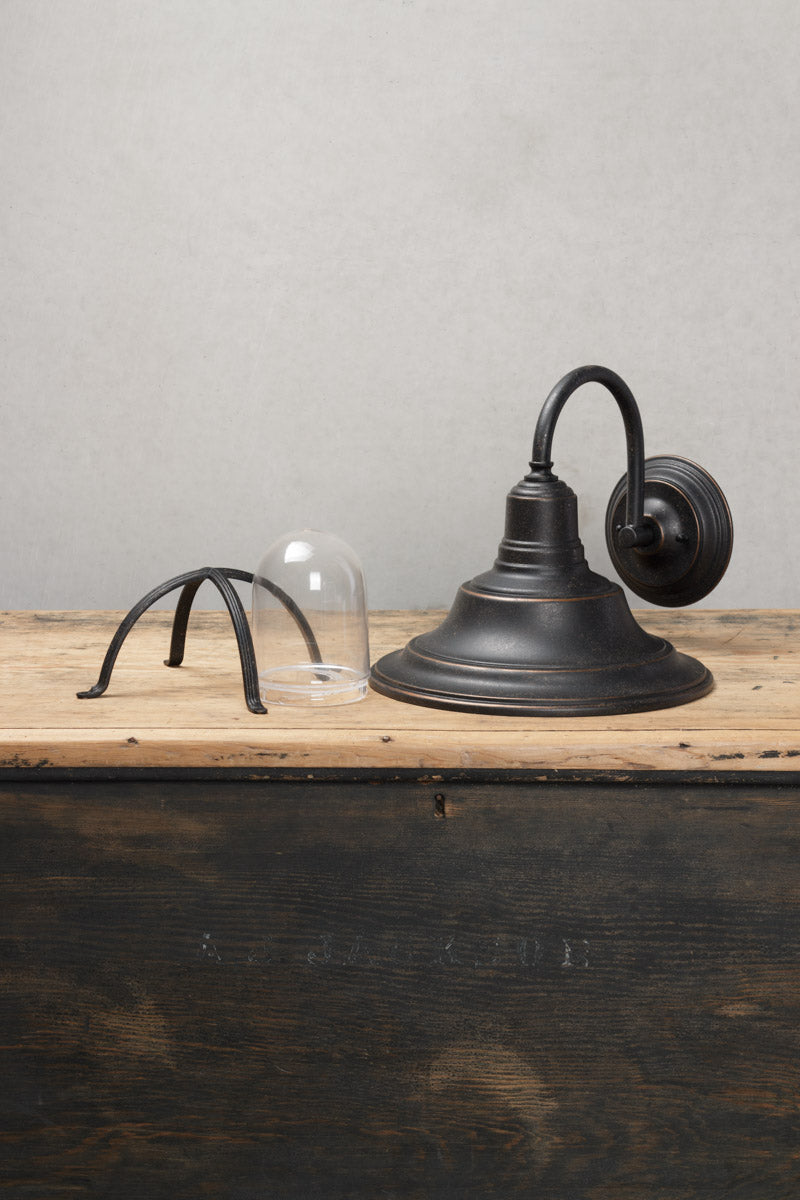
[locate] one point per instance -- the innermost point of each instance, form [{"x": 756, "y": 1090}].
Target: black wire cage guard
[{"x": 190, "y": 583}]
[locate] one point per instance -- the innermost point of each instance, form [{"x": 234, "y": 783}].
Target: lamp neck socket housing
[{"x": 541, "y": 546}]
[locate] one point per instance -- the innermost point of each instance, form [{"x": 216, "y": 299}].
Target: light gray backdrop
[{"x": 281, "y": 263}]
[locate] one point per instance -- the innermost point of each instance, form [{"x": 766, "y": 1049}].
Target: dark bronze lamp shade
[{"x": 540, "y": 633}]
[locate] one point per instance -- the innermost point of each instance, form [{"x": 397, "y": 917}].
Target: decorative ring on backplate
[{"x": 695, "y": 539}]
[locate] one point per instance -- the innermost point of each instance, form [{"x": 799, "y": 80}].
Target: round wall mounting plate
[{"x": 695, "y": 533}]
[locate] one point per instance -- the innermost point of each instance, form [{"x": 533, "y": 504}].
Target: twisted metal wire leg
[
  {"x": 244, "y": 639},
  {"x": 127, "y": 624},
  {"x": 314, "y": 652},
  {"x": 180, "y": 622}
]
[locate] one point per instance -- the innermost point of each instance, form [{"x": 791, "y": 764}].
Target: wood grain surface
[
  {"x": 194, "y": 717},
  {"x": 265, "y": 990}
]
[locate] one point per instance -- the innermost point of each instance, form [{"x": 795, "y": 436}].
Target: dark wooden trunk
[{"x": 263, "y": 990}]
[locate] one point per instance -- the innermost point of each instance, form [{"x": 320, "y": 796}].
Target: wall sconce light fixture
[{"x": 540, "y": 634}]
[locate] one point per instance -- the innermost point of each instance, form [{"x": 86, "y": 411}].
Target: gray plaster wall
[{"x": 280, "y": 263}]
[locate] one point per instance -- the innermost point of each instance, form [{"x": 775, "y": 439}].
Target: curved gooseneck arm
[{"x": 637, "y": 531}]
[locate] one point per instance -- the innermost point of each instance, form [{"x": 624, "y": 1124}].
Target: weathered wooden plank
[
  {"x": 195, "y": 716},
  {"x": 354, "y": 991},
  {"x": 683, "y": 749}
]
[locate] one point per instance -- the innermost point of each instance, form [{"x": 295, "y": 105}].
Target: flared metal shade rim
[
  {"x": 417, "y": 648},
  {"x": 386, "y": 680},
  {"x": 662, "y": 679}
]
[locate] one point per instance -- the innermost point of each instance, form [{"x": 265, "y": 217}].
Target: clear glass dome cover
[{"x": 310, "y": 621}]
